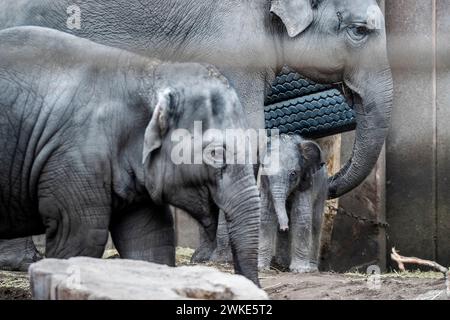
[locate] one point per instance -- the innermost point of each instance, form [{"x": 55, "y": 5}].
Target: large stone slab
[{"x": 87, "y": 278}]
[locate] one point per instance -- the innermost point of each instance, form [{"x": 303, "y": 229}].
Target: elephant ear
[
  {"x": 296, "y": 15},
  {"x": 312, "y": 161},
  {"x": 158, "y": 125}
]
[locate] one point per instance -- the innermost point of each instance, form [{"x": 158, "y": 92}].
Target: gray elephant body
[
  {"x": 293, "y": 202},
  {"x": 86, "y": 144}
]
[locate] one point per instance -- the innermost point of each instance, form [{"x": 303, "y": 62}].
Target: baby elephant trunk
[
  {"x": 279, "y": 203},
  {"x": 274, "y": 196}
]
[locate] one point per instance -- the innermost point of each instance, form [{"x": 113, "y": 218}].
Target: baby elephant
[
  {"x": 293, "y": 198},
  {"x": 88, "y": 136}
]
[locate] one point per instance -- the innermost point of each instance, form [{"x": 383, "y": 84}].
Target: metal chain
[{"x": 376, "y": 223}]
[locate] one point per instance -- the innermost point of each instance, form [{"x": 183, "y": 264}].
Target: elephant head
[
  {"x": 299, "y": 160},
  {"x": 343, "y": 40},
  {"x": 184, "y": 157}
]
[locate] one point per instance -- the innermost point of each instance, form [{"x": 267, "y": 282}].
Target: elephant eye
[
  {"x": 293, "y": 175},
  {"x": 358, "y": 32},
  {"x": 214, "y": 156}
]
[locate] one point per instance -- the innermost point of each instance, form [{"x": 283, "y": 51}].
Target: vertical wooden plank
[
  {"x": 443, "y": 131},
  {"x": 411, "y": 147},
  {"x": 331, "y": 147}
]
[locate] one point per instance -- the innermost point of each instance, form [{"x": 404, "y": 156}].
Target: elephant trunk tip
[
  {"x": 283, "y": 222},
  {"x": 332, "y": 191}
]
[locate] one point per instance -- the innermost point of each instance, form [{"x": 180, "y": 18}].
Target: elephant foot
[
  {"x": 18, "y": 254},
  {"x": 222, "y": 255},
  {"x": 205, "y": 249},
  {"x": 264, "y": 259},
  {"x": 207, "y": 252},
  {"x": 303, "y": 268},
  {"x": 263, "y": 267},
  {"x": 203, "y": 253}
]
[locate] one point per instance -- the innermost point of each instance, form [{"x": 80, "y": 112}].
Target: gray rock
[{"x": 87, "y": 278}]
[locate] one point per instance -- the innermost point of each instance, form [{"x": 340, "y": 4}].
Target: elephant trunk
[
  {"x": 279, "y": 203},
  {"x": 241, "y": 204},
  {"x": 373, "y": 114},
  {"x": 274, "y": 196},
  {"x": 280, "y": 209}
]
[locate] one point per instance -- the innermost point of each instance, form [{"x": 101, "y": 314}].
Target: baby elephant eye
[{"x": 293, "y": 175}]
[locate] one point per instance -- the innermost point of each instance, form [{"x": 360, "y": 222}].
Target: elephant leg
[
  {"x": 145, "y": 233},
  {"x": 301, "y": 236},
  {"x": 320, "y": 195},
  {"x": 76, "y": 232},
  {"x": 267, "y": 237},
  {"x": 18, "y": 254},
  {"x": 205, "y": 249},
  {"x": 301, "y": 242},
  {"x": 222, "y": 252},
  {"x": 76, "y": 214}
]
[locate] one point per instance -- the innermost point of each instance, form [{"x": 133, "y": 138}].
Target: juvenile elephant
[
  {"x": 293, "y": 200},
  {"x": 86, "y": 135}
]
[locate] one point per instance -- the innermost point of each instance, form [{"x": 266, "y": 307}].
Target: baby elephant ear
[
  {"x": 158, "y": 125},
  {"x": 312, "y": 157},
  {"x": 296, "y": 15}
]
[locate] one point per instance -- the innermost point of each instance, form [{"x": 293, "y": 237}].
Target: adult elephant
[{"x": 250, "y": 41}]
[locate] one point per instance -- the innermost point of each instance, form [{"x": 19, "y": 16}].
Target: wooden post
[{"x": 331, "y": 146}]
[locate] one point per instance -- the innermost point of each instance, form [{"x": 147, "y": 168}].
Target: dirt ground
[
  {"x": 328, "y": 286},
  {"x": 14, "y": 286},
  {"x": 288, "y": 286}
]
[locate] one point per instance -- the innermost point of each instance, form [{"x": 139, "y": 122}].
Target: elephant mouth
[{"x": 347, "y": 92}]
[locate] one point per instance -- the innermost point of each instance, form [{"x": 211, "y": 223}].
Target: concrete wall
[
  {"x": 187, "y": 232},
  {"x": 418, "y": 148},
  {"x": 442, "y": 221}
]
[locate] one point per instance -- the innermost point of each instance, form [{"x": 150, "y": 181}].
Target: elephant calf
[
  {"x": 86, "y": 133},
  {"x": 293, "y": 198}
]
